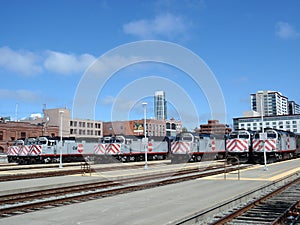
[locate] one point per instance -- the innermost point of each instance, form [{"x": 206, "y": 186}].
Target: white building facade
[
  {"x": 284, "y": 122},
  {"x": 270, "y": 103}
]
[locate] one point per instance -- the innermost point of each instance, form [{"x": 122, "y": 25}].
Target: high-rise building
[
  {"x": 160, "y": 105},
  {"x": 269, "y": 103},
  {"x": 294, "y": 108}
]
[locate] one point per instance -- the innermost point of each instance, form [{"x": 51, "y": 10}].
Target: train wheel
[{"x": 198, "y": 158}]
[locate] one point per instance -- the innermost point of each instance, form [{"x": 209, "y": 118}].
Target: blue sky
[{"x": 46, "y": 47}]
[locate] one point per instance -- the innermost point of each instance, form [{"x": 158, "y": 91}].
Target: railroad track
[
  {"x": 34, "y": 200},
  {"x": 275, "y": 203},
  {"x": 15, "y": 166},
  {"x": 272, "y": 208},
  {"x": 77, "y": 170}
]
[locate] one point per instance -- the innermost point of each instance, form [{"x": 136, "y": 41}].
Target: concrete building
[
  {"x": 214, "y": 127},
  {"x": 11, "y": 131},
  {"x": 284, "y": 122},
  {"x": 160, "y": 105},
  {"x": 54, "y": 117},
  {"x": 85, "y": 128},
  {"x": 270, "y": 103},
  {"x": 78, "y": 128}
]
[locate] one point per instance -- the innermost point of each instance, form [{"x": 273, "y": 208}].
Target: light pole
[
  {"x": 60, "y": 146},
  {"x": 145, "y": 136},
  {"x": 263, "y": 136}
]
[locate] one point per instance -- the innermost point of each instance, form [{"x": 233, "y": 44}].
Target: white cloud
[
  {"x": 23, "y": 62},
  {"x": 67, "y": 63},
  {"x": 164, "y": 25},
  {"x": 27, "y": 63},
  {"x": 286, "y": 31},
  {"x": 21, "y": 95}
]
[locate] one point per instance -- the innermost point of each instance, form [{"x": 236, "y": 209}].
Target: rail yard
[{"x": 206, "y": 192}]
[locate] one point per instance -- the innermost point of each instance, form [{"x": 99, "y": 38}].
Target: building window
[
  {"x": 23, "y": 135},
  {"x": 1, "y": 135}
]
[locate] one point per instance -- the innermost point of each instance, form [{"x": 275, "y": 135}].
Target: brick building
[
  {"x": 214, "y": 127},
  {"x": 11, "y": 131}
]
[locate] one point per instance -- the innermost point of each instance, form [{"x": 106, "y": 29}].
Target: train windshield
[
  {"x": 42, "y": 142},
  {"x": 271, "y": 135},
  {"x": 30, "y": 141},
  {"x": 233, "y": 136},
  {"x": 18, "y": 142},
  {"x": 245, "y": 136}
]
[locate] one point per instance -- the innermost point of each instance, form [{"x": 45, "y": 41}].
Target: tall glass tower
[{"x": 160, "y": 105}]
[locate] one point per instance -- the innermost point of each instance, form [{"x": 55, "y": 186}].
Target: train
[
  {"x": 242, "y": 145},
  {"x": 130, "y": 149},
  {"x": 252, "y": 147},
  {"x": 191, "y": 147}
]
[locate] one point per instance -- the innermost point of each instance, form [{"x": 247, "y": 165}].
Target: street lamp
[
  {"x": 60, "y": 146},
  {"x": 145, "y": 141},
  {"x": 263, "y": 135}
]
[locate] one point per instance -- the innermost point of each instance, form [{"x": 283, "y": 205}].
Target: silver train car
[
  {"x": 239, "y": 145},
  {"x": 277, "y": 144},
  {"x": 128, "y": 149},
  {"x": 49, "y": 149},
  {"x": 190, "y": 147}
]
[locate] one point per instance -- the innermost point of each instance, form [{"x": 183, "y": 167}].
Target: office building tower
[{"x": 160, "y": 105}]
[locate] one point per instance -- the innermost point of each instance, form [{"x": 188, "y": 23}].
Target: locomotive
[
  {"x": 238, "y": 145},
  {"x": 128, "y": 149},
  {"x": 47, "y": 150},
  {"x": 190, "y": 147},
  {"x": 278, "y": 145}
]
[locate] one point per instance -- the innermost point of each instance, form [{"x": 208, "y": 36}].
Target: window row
[{"x": 85, "y": 124}]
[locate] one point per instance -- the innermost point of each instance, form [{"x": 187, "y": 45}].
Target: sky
[{"x": 48, "y": 48}]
